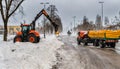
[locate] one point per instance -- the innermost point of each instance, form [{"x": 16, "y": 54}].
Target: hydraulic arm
[{"x": 47, "y": 16}]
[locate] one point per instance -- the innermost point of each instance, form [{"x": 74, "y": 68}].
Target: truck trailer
[{"x": 102, "y": 38}]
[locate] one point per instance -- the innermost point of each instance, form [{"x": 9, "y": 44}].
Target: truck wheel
[
  {"x": 108, "y": 44},
  {"x": 17, "y": 39},
  {"x": 32, "y": 38},
  {"x": 96, "y": 44},
  {"x": 85, "y": 43},
  {"x": 78, "y": 42},
  {"x": 112, "y": 45},
  {"x": 102, "y": 44}
]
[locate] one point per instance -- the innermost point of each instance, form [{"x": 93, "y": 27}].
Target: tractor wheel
[
  {"x": 17, "y": 39},
  {"x": 32, "y": 38},
  {"x": 38, "y": 39}
]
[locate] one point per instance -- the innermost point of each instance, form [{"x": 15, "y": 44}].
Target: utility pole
[
  {"x": 74, "y": 22},
  {"x": 71, "y": 26},
  {"x": 101, "y": 2},
  {"x": 44, "y": 17}
]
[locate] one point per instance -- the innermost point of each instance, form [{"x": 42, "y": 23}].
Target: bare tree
[
  {"x": 106, "y": 20},
  {"x": 98, "y": 22},
  {"x": 86, "y": 24},
  {"x": 8, "y": 8},
  {"x": 55, "y": 17}
]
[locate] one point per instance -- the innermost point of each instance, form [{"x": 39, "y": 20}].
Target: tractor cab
[{"x": 25, "y": 28}]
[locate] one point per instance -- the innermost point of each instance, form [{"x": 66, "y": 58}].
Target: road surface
[{"x": 72, "y": 56}]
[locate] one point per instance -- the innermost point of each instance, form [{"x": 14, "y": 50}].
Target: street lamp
[
  {"x": 101, "y": 2},
  {"x": 44, "y": 17},
  {"x": 71, "y": 26},
  {"x": 74, "y": 22}
]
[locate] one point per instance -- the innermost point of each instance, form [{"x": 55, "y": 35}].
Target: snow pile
[
  {"x": 29, "y": 55},
  {"x": 10, "y": 37},
  {"x": 74, "y": 34},
  {"x": 117, "y": 48}
]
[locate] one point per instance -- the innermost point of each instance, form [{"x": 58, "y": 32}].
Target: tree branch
[
  {"x": 6, "y": 3},
  {"x": 15, "y": 8},
  {"x": 2, "y": 12},
  {"x": 0, "y": 4},
  {"x": 9, "y": 5},
  {"x": 6, "y": 7}
]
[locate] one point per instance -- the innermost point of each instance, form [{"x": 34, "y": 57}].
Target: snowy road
[{"x": 72, "y": 56}]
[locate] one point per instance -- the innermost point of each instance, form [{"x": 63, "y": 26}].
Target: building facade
[{"x": 11, "y": 29}]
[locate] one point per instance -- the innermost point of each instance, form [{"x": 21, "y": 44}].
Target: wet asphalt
[{"x": 86, "y": 57}]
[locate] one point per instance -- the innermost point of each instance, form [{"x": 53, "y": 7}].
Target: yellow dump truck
[{"x": 102, "y": 38}]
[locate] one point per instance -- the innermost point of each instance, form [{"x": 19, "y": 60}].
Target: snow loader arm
[{"x": 48, "y": 17}]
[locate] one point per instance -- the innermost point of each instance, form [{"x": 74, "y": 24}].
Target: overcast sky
[{"x": 69, "y": 8}]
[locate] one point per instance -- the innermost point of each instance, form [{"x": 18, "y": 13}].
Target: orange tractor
[{"x": 28, "y": 32}]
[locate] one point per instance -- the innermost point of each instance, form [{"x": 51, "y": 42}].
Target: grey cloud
[{"x": 69, "y": 8}]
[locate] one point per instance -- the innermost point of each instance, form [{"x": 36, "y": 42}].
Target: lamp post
[
  {"x": 74, "y": 22},
  {"x": 44, "y": 17},
  {"x": 71, "y": 26},
  {"x": 101, "y": 2}
]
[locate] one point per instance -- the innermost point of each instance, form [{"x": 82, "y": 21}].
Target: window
[
  {"x": 24, "y": 28},
  {"x": 11, "y": 29},
  {"x": 18, "y": 29}
]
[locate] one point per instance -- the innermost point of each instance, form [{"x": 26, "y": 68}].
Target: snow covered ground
[
  {"x": 10, "y": 37},
  {"x": 73, "y": 33},
  {"x": 29, "y": 55},
  {"x": 46, "y": 54},
  {"x": 117, "y": 48},
  {"x": 1, "y": 37}
]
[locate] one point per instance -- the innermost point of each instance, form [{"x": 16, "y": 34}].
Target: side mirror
[
  {"x": 21, "y": 25},
  {"x": 78, "y": 33}
]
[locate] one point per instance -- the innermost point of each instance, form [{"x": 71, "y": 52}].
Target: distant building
[
  {"x": 98, "y": 22},
  {"x": 11, "y": 29},
  {"x": 1, "y": 29}
]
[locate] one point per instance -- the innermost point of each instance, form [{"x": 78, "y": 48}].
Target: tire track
[{"x": 87, "y": 57}]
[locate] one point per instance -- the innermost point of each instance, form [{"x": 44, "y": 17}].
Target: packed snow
[
  {"x": 26, "y": 55},
  {"x": 10, "y": 37},
  {"x": 117, "y": 48},
  {"x": 1, "y": 37},
  {"x": 46, "y": 54}
]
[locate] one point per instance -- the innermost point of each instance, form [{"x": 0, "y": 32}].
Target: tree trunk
[{"x": 5, "y": 31}]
